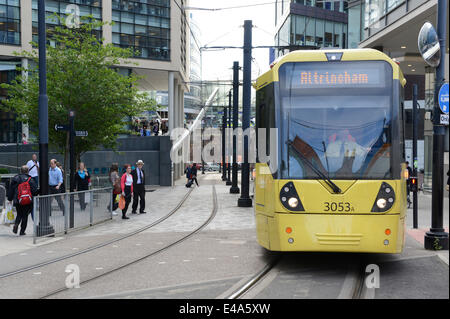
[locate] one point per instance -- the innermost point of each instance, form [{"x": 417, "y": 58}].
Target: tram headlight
[
  {"x": 385, "y": 199},
  {"x": 381, "y": 203},
  {"x": 289, "y": 197},
  {"x": 293, "y": 202}
]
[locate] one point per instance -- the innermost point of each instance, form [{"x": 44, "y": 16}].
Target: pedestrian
[
  {"x": 33, "y": 168},
  {"x": 63, "y": 185},
  {"x": 24, "y": 139},
  {"x": 82, "y": 181},
  {"x": 115, "y": 182},
  {"x": 187, "y": 171},
  {"x": 408, "y": 184},
  {"x": 156, "y": 128},
  {"x": 21, "y": 192},
  {"x": 194, "y": 174},
  {"x": 126, "y": 184},
  {"x": 138, "y": 188},
  {"x": 55, "y": 180},
  {"x": 164, "y": 128}
]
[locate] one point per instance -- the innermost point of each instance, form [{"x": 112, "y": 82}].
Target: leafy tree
[{"x": 81, "y": 76}]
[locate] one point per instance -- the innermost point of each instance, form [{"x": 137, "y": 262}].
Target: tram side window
[{"x": 261, "y": 112}]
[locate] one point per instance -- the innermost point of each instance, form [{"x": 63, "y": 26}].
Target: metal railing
[
  {"x": 65, "y": 212},
  {"x": 3, "y": 195}
]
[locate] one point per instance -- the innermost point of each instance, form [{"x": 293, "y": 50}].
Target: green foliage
[{"x": 81, "y": 76}]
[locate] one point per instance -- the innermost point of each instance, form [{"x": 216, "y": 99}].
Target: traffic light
[{"x": 413, "y": 184}]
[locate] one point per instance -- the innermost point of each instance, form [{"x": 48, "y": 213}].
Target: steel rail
[
  {"x": 252, "y": 282},
  {"x": 211, "y": 217}
]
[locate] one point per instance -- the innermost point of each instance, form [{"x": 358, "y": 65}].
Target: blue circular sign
[{"x": 443, "y": 98}]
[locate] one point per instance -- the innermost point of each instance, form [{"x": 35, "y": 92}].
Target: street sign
[
  {"x": 59, "y": 127},
  {"x": 444, "y": 119},
  {"x": 81, "y": 133},
  {"x": 443, "y": 99}
]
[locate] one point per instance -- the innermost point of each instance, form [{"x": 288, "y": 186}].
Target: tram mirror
[{"x": 429, "y": 46}]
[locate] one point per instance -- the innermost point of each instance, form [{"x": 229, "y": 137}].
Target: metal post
[
  {"x": 224, "y": 125},
  {"x": 203, "y": 146},
  {"x": 111, "y": 202},
  {"x": 72, "y": 166},
  {"x": 44, "y": 225},
  {"x": 228, "y": 124},
  {"x": 91, "y": 207},
  {"x": 234, "y": 177},
  {"x": 35, "y": 220},
  {"x": 414, "y": 157},
  {"x": 66, "y": 213},
  {"x": 437, "y": 238},
  {"x": 245, "y": 200}
]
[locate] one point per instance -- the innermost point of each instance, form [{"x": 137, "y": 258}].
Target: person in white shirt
[
  {"x": 33, "y": 168},
  {"x": 126, "y": 183}
]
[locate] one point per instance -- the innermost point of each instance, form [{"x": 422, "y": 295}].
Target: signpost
[
  {"x": 81, "y": 133},
  {"x": 443, "y": 104},
  {"x": 72, "y": 134},
  {"x": 432, "y": 47}
]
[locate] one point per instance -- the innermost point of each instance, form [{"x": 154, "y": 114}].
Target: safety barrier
[{"x": 64, "y": 212}]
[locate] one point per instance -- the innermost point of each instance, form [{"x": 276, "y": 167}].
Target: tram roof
[{"x": 320, "y": 56}]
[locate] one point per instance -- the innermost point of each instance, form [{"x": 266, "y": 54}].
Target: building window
[
  {"x": 87, "y": 7},
  {"x": 10, "y": 130},
  {"x": 10, "y": 22},
  {"x": 144, "y": 26}
]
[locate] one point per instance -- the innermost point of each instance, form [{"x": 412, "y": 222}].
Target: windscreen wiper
[{"x": 322, "y": 176}]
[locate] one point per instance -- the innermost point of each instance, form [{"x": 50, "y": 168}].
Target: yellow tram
[{"x": 330, "y": 173}]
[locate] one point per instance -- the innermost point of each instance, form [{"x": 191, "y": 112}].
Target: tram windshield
[{"x": 338, "y": 117}]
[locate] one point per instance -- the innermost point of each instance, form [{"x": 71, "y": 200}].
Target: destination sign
[
  {"x": 355, "y": 74},
  {"x": 330, "y": 78}
]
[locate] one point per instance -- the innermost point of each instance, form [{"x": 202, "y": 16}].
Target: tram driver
[{"x": 344, "y": 153}]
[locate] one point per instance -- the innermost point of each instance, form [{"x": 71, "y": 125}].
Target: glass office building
[
  {"x": 156, "y": 30},
  {"x": 143, "y": 25},
  {"x": 310, "y": 24},
  {"x": 10, "y": 22}
]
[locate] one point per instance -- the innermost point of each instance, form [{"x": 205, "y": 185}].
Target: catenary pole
[
  {"x": 228, "y": 124},
  {"x": 414, "y": 157},
  {"x": 44, "y": 227},
  {"x": 245, "y": 200},
  {"x": 234, "y": 189}
]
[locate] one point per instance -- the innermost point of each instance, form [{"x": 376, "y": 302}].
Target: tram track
[
  {"x": 97, "y": 246},
  {"x": 254, "y": 280},
  {"x": 148, "y": 255}
]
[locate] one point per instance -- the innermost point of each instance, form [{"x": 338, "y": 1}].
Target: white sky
[{"x": 225, "y": 28}]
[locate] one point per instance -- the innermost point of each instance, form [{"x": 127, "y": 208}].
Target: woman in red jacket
[{"x": 126, "y": 183}]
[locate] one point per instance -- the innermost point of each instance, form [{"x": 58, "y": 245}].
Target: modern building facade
[
  {"x": 156, "y": 29},
  {"x": 310, "y": 24},
  {"x": 392, "y": 26},
  {"x": 193, "y": 98}
]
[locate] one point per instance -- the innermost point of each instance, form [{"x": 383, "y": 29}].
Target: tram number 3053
[{"x": 338, "y": 207}]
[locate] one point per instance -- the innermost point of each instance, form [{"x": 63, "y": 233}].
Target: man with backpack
[{"x": 21, "y": 192}]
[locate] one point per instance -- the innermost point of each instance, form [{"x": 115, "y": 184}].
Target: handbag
[
  {"x": 116, "y": 188},
  {"x": 8, "y": 215},
  {"x": 122, "y": 202}
]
